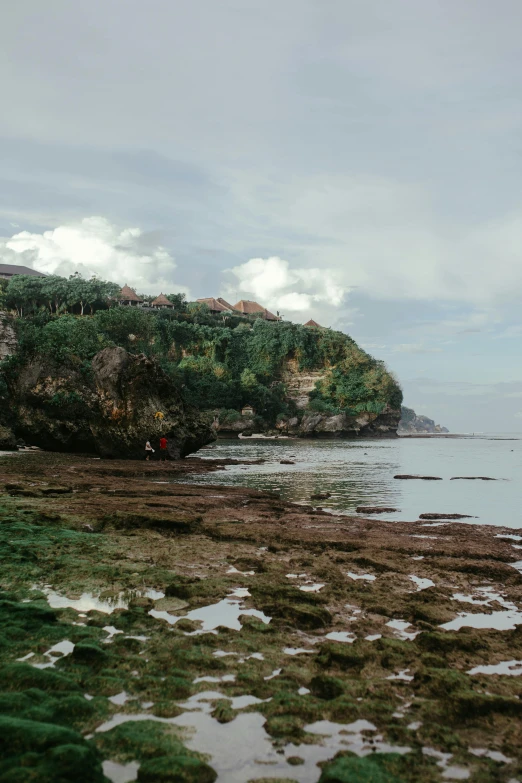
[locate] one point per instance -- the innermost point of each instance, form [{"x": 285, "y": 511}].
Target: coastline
[{"x": 337, "y": 588}]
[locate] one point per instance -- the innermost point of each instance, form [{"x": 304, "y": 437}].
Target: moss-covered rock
[
  {"x": 176, "y": 769},
  {"x": 43, "y": 753}
]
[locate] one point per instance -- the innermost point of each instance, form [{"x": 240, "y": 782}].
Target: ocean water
[{"x": 360, "y": 473}]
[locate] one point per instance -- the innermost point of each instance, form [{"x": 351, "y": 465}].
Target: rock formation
[
  {"x": 410, "y": 423},
  {"x": 111, "y": 409}
]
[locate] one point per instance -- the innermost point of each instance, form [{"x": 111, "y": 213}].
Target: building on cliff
[
  {"x": 7, "y": 271},
  {"x": 247, "y": 307},
  {"x": 162, "y": 303},
  {"x": 129, "y": 297},
  {"x": 216, "y": 305},
  {"x": 247, "y": 410}
]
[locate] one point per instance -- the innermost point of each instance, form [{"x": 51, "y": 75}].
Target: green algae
[
  {"x": 176, "y": 769},
  {"x": 44, "y": 753},
  {"x": 346, "y": 681},
  {"x": 160, "y": 750}
]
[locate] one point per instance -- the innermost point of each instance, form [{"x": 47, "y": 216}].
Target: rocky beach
[{"x": 155, "y": 630}]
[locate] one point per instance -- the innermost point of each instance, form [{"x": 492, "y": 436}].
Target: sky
[{"x": 353, "y": 161}]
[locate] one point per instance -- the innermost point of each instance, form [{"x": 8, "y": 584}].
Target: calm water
[{"x": 361, "y": 473}]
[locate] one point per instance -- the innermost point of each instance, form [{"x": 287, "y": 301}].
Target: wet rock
[
  {"x": 188, "y": 626},
  {"x": 32, "y": 750},
  {"x": 326, "y": 688},
  {"x": 286, "y": 462},
  {"x": 295, "y": 761},
  {"x": 321, "y": 496},
  {"x": 422, "y": 478},
  {"x": 176, "y": 769},
  {"x": 445, "y": 516},
  {"x": 376, "y": 509},
  {"x": 21, "y": 676},
  {"x": 55, "y": 490},
  {"x": 177, "y": 524},
  {"x": 223, "y": 711},
  {"x": 350, "y": 769},
  {"x": 7, "y": 439},
  {"x": 301, "y": 616},
  {"x": 183, "y": 587},
  {"x": 170, "y": 604},
  {"x": 90, "y": 654},
  {"x": 472, "y": 478},
  {"x": 343, "y": 655},
  {"x": 110, "y": 412}
]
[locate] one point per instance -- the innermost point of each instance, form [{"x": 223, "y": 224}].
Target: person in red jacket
[{"x": 163, "y": 449}]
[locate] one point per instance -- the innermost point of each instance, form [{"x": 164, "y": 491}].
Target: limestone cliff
[
  {"x": 7, "y": 336},
  {"x": 112, "y": 409},
  {"x": 341, "y": 425}
]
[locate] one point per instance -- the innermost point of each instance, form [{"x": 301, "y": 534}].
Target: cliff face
[
  {"x": 321, "y": 425},
  {"x": 410, "y": 423},
  {"x": 308, "y": 423},
  {"x": 112, "y": 410},
  {"x": 7, "y": 336}
]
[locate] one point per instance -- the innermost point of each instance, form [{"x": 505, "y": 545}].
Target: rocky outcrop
[
  {"x": 7, "y": 439},
  {"x": 341, "y": 425},
  {"x": 411, "y": 423},
  {"x": 8, "y": 340},
  {"x": 111, "y": 408}
]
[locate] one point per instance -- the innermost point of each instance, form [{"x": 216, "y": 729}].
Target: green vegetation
[{"x": 218, "y": 362}]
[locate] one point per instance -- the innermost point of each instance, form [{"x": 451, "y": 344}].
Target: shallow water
[
  {"x": 361, "y": 473},
  {"x": 254, "y": 755}
]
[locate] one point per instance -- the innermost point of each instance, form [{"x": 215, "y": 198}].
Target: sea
[{"x": 361, "y": 473}]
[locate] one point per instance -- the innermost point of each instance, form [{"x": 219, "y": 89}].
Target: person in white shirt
[{"x": 148, "y": 450}]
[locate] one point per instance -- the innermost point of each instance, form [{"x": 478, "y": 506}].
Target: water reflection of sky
[{"x": 361, "y": 473}]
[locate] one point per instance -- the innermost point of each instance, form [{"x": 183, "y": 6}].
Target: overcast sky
[{"x": 354, "y": 161}]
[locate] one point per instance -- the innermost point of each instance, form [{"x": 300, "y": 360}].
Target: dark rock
[
  {"x": 176, "y": 769},
  {"x": 321, "y": 496},
  {"x": 376, "y": 510},
  {"x": 445, "y": 516},
  {"x": 56, "y": 490},
  {"x": 286, "y": 462},
  {"x": 472, "y": 478},
  {"x": 326, "y": 688},
  {"x": 423, "y": 478},
  {"x": 7, "y": 439},
  {"x": 111, "y": 412}
]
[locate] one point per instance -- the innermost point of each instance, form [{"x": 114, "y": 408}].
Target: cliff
[
  {"x": 287, "y": 378},
  {"x": 410, "y": 423},
  {"x": 110, "y": 408}
]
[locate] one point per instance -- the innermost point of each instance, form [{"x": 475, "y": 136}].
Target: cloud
[
  {"x": 95, "y": 246},
  {"x": 280, "y": 286}
]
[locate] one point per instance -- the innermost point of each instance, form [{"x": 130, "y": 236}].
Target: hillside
[
  {"x": 300, "y": 379},
  {"x": 411, "y": 423}
]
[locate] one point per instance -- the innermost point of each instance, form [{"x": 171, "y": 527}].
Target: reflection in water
[{"x": 358, "y": 473}]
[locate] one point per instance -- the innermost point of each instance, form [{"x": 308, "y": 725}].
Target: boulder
[{"x": 111, "y": 410}]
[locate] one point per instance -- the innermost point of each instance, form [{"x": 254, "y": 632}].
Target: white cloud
[
  {"x": 386, "y": 237},
  {"x": 279, "y": 286},
  {"x": 94, "y": 246},
  {"x": 518, "y": 415}
]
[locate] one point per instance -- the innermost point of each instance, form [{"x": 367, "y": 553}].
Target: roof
[
  {"x": 224, "y": 303},
  {"x": 14, "y": 269},
  {"x": 311, "y": 322},
  {"x": 162, "y": 300},
  {"x": 213, "y": 304},
  {"x": 129, "y": 295},
  {"x": 247, "y": 307}
]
